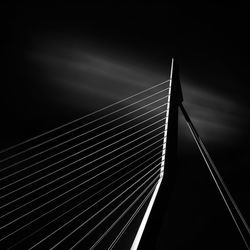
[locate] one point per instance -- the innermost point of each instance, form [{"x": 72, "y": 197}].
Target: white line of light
[
  {"x": 149, "y": 208},
  {"x": 145, "y": 218}
]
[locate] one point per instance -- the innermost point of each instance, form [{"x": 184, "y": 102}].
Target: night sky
[{"x": 61, "y": 62}]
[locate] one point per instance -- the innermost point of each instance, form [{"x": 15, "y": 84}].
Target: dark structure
[{"x": 154, "y": 230}]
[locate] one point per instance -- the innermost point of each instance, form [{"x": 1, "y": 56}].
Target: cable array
[{"x": 82, "y": 184}]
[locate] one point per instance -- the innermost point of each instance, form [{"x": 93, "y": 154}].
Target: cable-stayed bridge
[{"x": 101, "y": 181}]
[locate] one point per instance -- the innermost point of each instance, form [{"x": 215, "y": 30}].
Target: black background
[{"x": 211, "y": 44}]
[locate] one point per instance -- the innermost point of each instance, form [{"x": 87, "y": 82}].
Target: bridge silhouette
[{"x": 103, "y": 180}]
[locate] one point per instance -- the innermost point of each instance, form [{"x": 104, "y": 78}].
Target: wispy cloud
[
  {"x": 88, "y": 79},
  {"x": 85, "y": 75}
]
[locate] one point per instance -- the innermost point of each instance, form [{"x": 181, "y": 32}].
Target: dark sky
[{"x": 40, "y": 89}]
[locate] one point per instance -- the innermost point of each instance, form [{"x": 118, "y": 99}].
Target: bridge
[{"x": 102, "y": 181}]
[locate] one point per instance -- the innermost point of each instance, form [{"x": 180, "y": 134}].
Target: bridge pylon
[{"x": 152, "y": 230}]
